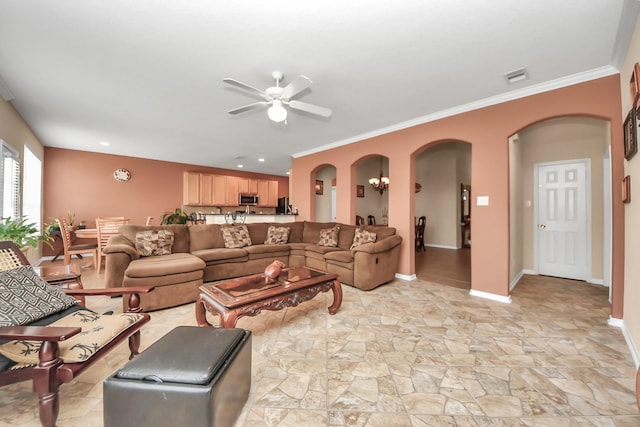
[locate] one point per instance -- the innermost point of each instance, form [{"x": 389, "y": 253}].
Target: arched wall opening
[
  {"x": 552, "y": 143},
  {"x": 323, "y": 181}
]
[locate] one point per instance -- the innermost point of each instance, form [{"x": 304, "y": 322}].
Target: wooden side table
[{"x": 62, "y": 276}]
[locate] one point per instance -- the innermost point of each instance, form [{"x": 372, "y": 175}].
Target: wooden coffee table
[{"x": 249, "y": 295}]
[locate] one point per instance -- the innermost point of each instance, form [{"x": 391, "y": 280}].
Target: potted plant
[
  {"x": 21, "y": 233},
  {"x": 177, "y": 217}
]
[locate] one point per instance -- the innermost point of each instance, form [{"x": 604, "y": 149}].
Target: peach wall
[
  {"x": 488, "y": 130},
  {"x": 631, "y": 210},
  {"x": 83, "y": 182}
]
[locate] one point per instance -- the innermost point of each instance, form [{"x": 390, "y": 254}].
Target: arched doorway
[
  {"x": 545, "y": 151},
  {"x": 443, "y": 170},
  {"x": 325, "y": 188}
]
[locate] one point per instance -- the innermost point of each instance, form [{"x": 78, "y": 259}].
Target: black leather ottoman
[{"x": 192, "y": 376}]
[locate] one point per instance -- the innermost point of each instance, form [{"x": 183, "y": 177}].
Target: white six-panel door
[{"x": 563, "y": 226}]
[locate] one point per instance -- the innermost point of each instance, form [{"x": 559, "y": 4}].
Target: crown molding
[{"x": 476, "y": 105}]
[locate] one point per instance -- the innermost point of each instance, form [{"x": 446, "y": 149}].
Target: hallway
[{"x": 445, "y": 266}]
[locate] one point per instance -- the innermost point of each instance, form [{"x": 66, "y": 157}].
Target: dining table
[{"x": 86, "y": 233}]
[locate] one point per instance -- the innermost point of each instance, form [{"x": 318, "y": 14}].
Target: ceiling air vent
[{"x": 516, "y": 76}]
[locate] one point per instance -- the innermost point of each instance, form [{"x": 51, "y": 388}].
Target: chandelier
[{"x": 380, "y": 184}]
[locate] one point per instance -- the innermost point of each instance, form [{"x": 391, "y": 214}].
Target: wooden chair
[
  {"x": 359, "y": 220},
  {"x": 420, "y": 227},
  {"x": 51, "y": 371},
  {"x": 71, "y": 249},
  {"x": 107, "y": 227},
  {"x": 371, "y": 220}
]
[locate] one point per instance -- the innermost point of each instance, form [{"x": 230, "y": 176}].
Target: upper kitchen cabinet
[
  {"x": 268, "y": 193},
  {"x": 247, "y": 186},
  {"x": 191, "y": 189}
]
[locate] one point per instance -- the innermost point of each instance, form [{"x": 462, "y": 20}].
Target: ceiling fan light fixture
[{"x": 277, "y": 112}]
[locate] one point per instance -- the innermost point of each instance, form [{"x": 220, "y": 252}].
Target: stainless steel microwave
[{"x": 246, "y": 199}]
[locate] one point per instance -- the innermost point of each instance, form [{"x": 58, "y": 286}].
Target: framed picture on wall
[
  {"x": 630, "y": 135},
  {"x": 634, "y": 85},
  {"x": 359, "y": 190},
  {"x": 319, "y": 187},
  {"x": 626, "y": 189}
]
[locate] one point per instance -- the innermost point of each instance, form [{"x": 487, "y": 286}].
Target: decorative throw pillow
[
  {"x": 361, "y": 237},
  {"x": 154, "y": 242},
  {"x": 329, "y": 237},
  {"x": 236, "y": 236},
  {"x": 25, "y": 297},
  {"x": 277, "y": 235},
  {"x": 97, "y": 331}
]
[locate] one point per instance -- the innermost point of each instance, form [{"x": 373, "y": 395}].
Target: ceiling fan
[{"x": 276, "y": 97}]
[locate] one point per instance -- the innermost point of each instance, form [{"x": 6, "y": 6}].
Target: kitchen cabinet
[
  {"x": 268, "y": 193},
  {"x": 203, "y": 189},
  {"x": 247, "y": 185},
  {"x": 191, "y": 189}
]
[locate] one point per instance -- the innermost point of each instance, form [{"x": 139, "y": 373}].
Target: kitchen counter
[{"x": 252, "y": 218}]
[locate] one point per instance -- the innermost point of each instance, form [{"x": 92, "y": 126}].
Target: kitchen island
[{"x": 252, "y": 218}]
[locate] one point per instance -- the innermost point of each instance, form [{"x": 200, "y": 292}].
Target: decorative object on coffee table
[{"x": 273, "y": 270}]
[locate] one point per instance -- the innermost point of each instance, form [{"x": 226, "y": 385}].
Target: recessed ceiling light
[
  {"x": 240, "y": 166},
  {"x": 261, "y": 159},
  {"x": 104, "y": 143},
  {"x": 516, "y": 76},
  {"x": 288, "y": 172}
]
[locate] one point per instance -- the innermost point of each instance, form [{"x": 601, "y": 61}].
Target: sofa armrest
[
  {"x": 120, "y": 244},
  {"x": 380, "y": 246},
  {"x": 119, "y": 253},
  {"x": 37, "y": 333}
]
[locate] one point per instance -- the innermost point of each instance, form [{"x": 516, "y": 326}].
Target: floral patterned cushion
[
  {"x": 236, "y": 236},
  {"x": 97, "y": 331},
  {"x": 361, "y": 237},
  {"x": 154, "y": 242},
  {"x": 25, "y": 297},
  {"x": 277, "y": 235},
  {"x": 329, "y": 237}
]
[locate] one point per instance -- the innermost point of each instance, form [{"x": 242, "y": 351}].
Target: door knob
[{"x": 543, "y": 226}]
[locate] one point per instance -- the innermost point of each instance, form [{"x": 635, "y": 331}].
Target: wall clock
[{"x": 121, "y": 175}]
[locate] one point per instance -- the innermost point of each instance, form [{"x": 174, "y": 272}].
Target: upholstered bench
[{"x": 190, "y": 377}]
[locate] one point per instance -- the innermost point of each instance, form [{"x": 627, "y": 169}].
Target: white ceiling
[{"x": 146, "y": 75}]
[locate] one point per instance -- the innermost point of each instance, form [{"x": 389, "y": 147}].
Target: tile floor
[{"x": 420, "y": 353}]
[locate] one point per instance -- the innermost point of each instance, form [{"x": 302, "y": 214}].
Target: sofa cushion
[
  {"x": 277, "y": 235},
  {"x": 165, "y": 265},
  {"x": 329, "y": 237},
  {"x": 361, "y": 237},
  {"x": 97, "y": 331},
  {"x": 221, "y": 254},
  {"x": 180, "y": 234},
  {"x": 236, "y": 236},
  {"x": 26, "y": 297},
  {"x": 205, "y": 236},
  {"x": 154, "y": 242},
  {"x": 339, "y": 256}
]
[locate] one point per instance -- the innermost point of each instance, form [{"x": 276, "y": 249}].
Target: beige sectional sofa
[{"x": 198, "y": 255}]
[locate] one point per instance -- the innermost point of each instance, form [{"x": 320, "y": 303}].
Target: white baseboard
[
  {"x": 487, "y": 295},
  {"x": 407, "y": 277},
  {"x": 515, "y": 280},
  {"x": 442, "y": 246},
  {"x": 619, "y": 323},
  {"x": 597, "y": 282},
  {"x": 531, "y": 272}
]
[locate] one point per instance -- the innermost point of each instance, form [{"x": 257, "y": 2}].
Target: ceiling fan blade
[
  {"x": 245, "y": 86},
  {"x": 249, "y": 107},
  {"x": 310, "y": 108},
  {"x": 295, "y": 87}
]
